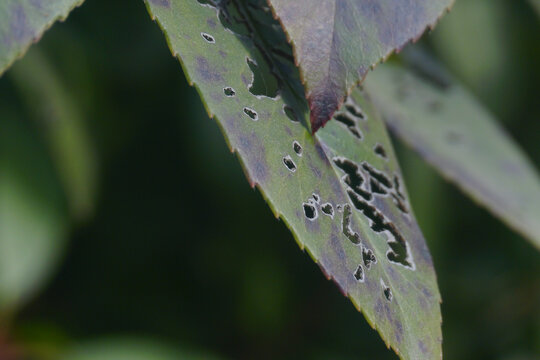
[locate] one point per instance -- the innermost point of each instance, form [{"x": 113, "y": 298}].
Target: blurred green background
[{"x": 145, "y": 241}]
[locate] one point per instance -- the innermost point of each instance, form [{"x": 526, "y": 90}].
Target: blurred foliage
[{"x": 180, "y": 248}]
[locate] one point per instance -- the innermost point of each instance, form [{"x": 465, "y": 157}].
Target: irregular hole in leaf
[
  {"x": 251, "y": 113},
  {"x": 376, "y": 187},
  {"x": 209, "y": 38},
  {"x": 328, "y": 209},
  {"x": 386, "y": 291},
  {"x": 310, "y": 211},
  {"x": 289, "y": 111},
  {"x": 350, "y": 123},
  {"x": 399, "y": 250},
  {"x": 289, "y": 163},
  {"x": 379, "y": 150},
  {"x": 346, "y": 225},
  {"x": 397, "y": 187},
  {"x": 316, "y": 197},
  {"x": 229, "y": 91},
  {"x": 355, "y": 110},
  {"x": 339, "y": 208},
  {"x": 400, "y": 204},
  {"x": 297, "y": 148},
  {"x": 359, "y": 274},
  {"x": 263, "y": 83},
  {"x": 377, "y": 175},
  {"x": 352, "y": 177},
  {"x": 368, "y": 257},
  {"x": 228, "y": 16}
]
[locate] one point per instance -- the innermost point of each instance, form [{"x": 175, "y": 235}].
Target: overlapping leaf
[
  {"x": 337, "y": 41},
  {"x": 340, "y": 191},
  {"x": 446, "y": 126},
  {"x": 24, "y": 21}
]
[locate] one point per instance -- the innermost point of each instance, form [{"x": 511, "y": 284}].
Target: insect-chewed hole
[
  {"x": 368, "y": 257},
  {"x": 352, "y": 177},
  {"x": 289, "y": 111},
  {"x": 328, "y": 209},
  {"x": 355, "y": 110},
  {"x": 264, "y": 81},
  {"x": 376, "y": 187},
  {"x": 310, "y": 211},
  {"x": 229, "y": 91},
  {"x": 379, "y": 150},
  {"x": 289, "y": 163},
  {"x": 297, "y": 148},
  {"x": 346, "y": 226},
  {"x": 316, "y": 197},
  {"x": 359, "y": 273},
  {"x": 377, "y": 175},
  {"x": 350, "y": 123},
  {"x": 251, "y": 113},
  {"x": 386, "y": 291},
  {"x": 209, "y": 38}
]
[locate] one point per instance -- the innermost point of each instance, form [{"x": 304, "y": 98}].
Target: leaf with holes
[
  {"x": 446, "y": 126},
  {"x": 22, "y": 22},
  {"x": 339, "y": 191},
  {"x": 336, "y": 42}
]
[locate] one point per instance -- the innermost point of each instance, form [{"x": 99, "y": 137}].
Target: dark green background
[{"x": 182, "y": 250}]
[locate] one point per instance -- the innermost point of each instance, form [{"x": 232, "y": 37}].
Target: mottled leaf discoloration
[
  {"x": 447, "y": 127},
  {"x": 22, "y": 22},
  {"x": 337, "y": 41},
  {"x": 298, "y": 173}
]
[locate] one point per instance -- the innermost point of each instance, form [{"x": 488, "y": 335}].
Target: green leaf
[
  {"x": 336, "y": 42},
  {"x": 536, "y": 5},
  {"x": 62, "y": 126},
  {"x": 33, "y": 217},
  {"x": 130, "y": 348},
  {"x": 23, "y": 22},
  {"x": 340, "y": 192},
  {"x": 456, "y": 135}
]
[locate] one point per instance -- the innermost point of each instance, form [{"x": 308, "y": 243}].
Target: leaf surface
[
  {"x": 22, "y": 22},
  {"x": 336, "y": 42},
  {"x": 456, "y": 135},
  {"x": 340, "y": 191}
]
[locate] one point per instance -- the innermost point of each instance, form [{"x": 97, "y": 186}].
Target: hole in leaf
[
  {"x": 346, "y": 226},
  {"x": 289, "y": 163},
  {"x": 397, "y": 186},
  {"x": 379, "y": 150},
  {"x": 386, "y": 291},
  {"x": 297, "y": 148},
  {"x": 251, "y": 113},
  {"x": 399, "y": 251},
  {"x": 376, "y": 187},
  {"x": 289, "y": 111},
  {"x": 316, "y": 198},
  {"x": 264, "y": 82},
  {"x": 355, "y": 111},
  {"x": 209, "y": 38},
  {"x": 328, "y": 209},
  {"x": 352, "y": 177},
  {"x": 310, "y": 211},
  {"x": 359, "y": 274},
  {"x": 350, "y": 123},
  {"x": 400, "y": 204},
  {"x": 229, "y": 91},
  {"x": 377, "y": 175},
  {"x": 368, "y": 257}
]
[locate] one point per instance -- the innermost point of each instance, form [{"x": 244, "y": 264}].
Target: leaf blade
[
  {"x": 304, "y": 177},
  {"x": 336, "y": 42},
  {"x": 24, "y": 22},
  {"x": 458, "y": 137}
]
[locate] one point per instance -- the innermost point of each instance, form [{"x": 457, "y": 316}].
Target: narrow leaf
[
  {"x": 33, "y": 218},
  {"x": 340, "y": 192},
  {"x": 336, "y": 42},
  {"x": 22, "y": 22},
  {"x": 63, "y": 126},
  {"x": 456, "y": 135}
]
